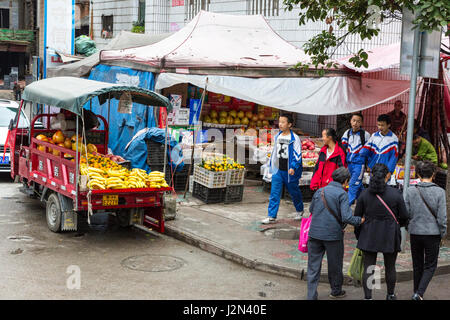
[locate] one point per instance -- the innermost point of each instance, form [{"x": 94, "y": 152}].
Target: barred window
[
  {"x": 193, "y": 7},
  {"x": 264, "y": 7}
]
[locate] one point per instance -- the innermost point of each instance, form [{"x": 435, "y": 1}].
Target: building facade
[{"x": 17, "y": 36}]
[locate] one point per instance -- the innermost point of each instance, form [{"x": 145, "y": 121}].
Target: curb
[{"x": 215, "y": 248}]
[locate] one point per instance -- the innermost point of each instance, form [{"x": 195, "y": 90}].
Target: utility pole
[{"x": 412, "y": 105}]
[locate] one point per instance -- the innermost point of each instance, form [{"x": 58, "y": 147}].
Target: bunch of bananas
[
  {"x": 156, "y": 180},
  {"x": 122, "y": 178}
]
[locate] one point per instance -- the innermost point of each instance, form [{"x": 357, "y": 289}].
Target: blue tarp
[
  {"x": 137, "y": 149},
  {"x": 122, "y": 127}
]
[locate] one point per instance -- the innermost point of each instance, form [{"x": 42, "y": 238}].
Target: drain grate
[
  {"x": 153, "y": 263},
  {"x": 20, "y": 238}
]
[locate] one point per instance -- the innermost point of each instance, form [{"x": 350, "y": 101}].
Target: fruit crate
[
  {"x": 234, "y": 194},
  {"x": 179, "y": 178},
  {"x": 210, "y": 179},
  {"x": 208, "y": 195},
  {"x": 155, "y": 153},
  {"x": 235, "y": 177}
]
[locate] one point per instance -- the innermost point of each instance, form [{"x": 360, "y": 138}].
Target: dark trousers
[
  {"x": 335, "y": 256},
  {"x": 425, "y": 253},
  {"x": 370, "y": 259}
]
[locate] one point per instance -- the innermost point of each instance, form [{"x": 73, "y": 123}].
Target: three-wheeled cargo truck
[{"x": 55, "y": 177}]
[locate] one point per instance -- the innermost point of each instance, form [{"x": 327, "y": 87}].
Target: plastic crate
[
  {"x": 155, "y": 153},
  {"x": 210, "y": 179},
  {"x": 235, "y": 177},
  {"x": 178, "y": 182},
  {"x": 234, "y": 194},
  {"x": 208, "y": 195}
]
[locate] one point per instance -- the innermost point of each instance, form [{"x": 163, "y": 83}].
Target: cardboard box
[{"x": 178, "y": 89}]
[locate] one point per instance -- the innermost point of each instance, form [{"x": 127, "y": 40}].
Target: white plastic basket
[
  {"x": 235, "y": 177},
  {"x": 210, "y": 179}
]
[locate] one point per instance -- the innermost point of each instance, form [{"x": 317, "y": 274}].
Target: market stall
[{"x": 256, "y": 77}]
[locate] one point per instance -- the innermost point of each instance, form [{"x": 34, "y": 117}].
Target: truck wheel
[
  {"x": 53, "y": 213},
  {"x": 123, "y": 218}
]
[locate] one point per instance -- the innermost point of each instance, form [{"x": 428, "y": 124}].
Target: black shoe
[
  {"x": 338, "y": 296},
  {"x": 391, "y": 297},
  {"x": 416, "y": 296}
]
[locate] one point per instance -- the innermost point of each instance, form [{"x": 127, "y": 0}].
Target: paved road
[{"x": 34, "y": 263}]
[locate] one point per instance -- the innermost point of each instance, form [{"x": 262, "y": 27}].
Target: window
[
  {"x": 141, "y": 13},
  {"x": 264, "y": 7},
  {"x": 9, "y": 113},
  {"x": 193, "y": 7},
  {"x": 4, "y": 18},
  {"x": 107, "y": 26}
]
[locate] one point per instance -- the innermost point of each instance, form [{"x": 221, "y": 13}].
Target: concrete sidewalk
[{"x": 234, "y": 232}]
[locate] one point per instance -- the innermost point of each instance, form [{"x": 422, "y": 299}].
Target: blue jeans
[
  {"x": 355, "y": 184},
  {"x": 278, "y": 180}
]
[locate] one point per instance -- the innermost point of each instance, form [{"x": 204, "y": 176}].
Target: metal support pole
[
  {"x": 76, "y": 165},
  {"x": 412, "y": 105},
  {"x": 166, "y": 130}
]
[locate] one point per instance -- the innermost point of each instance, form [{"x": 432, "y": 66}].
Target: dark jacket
[
  {"x": 324, "y": 225},
  {"x": 422, "y": 220},
  {"x": 380, "y": 232},
  {"x": 324, "y": 167}
]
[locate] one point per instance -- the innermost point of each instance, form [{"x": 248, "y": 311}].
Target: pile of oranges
[
  {"x": 220, "y": 164},
  {"x": 99, "y": 162}
]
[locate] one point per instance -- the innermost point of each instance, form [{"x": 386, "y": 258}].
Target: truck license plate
[{"x": 110, "y": 200}]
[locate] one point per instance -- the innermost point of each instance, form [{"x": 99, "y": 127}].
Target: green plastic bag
[{"x": 356, "y": 267}]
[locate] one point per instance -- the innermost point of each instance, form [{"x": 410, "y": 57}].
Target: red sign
[
  {"x": 162, "y": 117},
  {"x": 177, "y": 3}
]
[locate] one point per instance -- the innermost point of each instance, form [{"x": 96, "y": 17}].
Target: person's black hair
[
  {"x": 288, "y": 116},
  {"x": 341, "y": 175},
  {"x": 359, "y": 114},
  {"x": 377, "y": 182},
  {"x": 330, "y": 132},
  {"x": 425, "y": 169},
  {"x": 415, "y": 136},
  {"x": 384, "y": 118}
]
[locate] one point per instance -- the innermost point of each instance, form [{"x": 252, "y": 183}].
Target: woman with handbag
[
  {"x": 427, "y": 208},
  {"x": 330, "y": 212},
  {"x": 384, "y": 211}
]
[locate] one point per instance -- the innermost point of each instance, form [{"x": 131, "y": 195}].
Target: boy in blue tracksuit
[
  {"x": 382, "y": 146},
  {"x": 286, "y": 168},
  {"x": 353, "y": 141}
]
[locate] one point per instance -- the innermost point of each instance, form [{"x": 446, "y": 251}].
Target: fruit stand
[
  {"x": 218, "y": 178},
  {"x": 74, "y": 176}
]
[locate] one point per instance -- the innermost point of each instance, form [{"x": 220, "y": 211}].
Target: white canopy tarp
[
  {"x": 123, "y": 40},
  {"x": 317, "y": 96},
  {"x": 214, "y": 40}
]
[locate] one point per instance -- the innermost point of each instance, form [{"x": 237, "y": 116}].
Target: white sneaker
[
  {"x": 269, "y": 220},
  {"x": 296, "y": 215}
]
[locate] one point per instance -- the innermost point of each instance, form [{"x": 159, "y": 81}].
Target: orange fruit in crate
[
  {"x": 58, "y": 137},
  {"x": 67, "y": 143}
]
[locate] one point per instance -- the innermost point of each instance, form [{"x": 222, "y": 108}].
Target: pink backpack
[{"x": 304, "y": 230}]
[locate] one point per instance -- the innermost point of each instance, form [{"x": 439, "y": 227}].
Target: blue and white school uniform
[
  {"x": 381, "y": 149},
  {"x": 351, "y": 141},
  {"x": 286, "y": 154}
]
